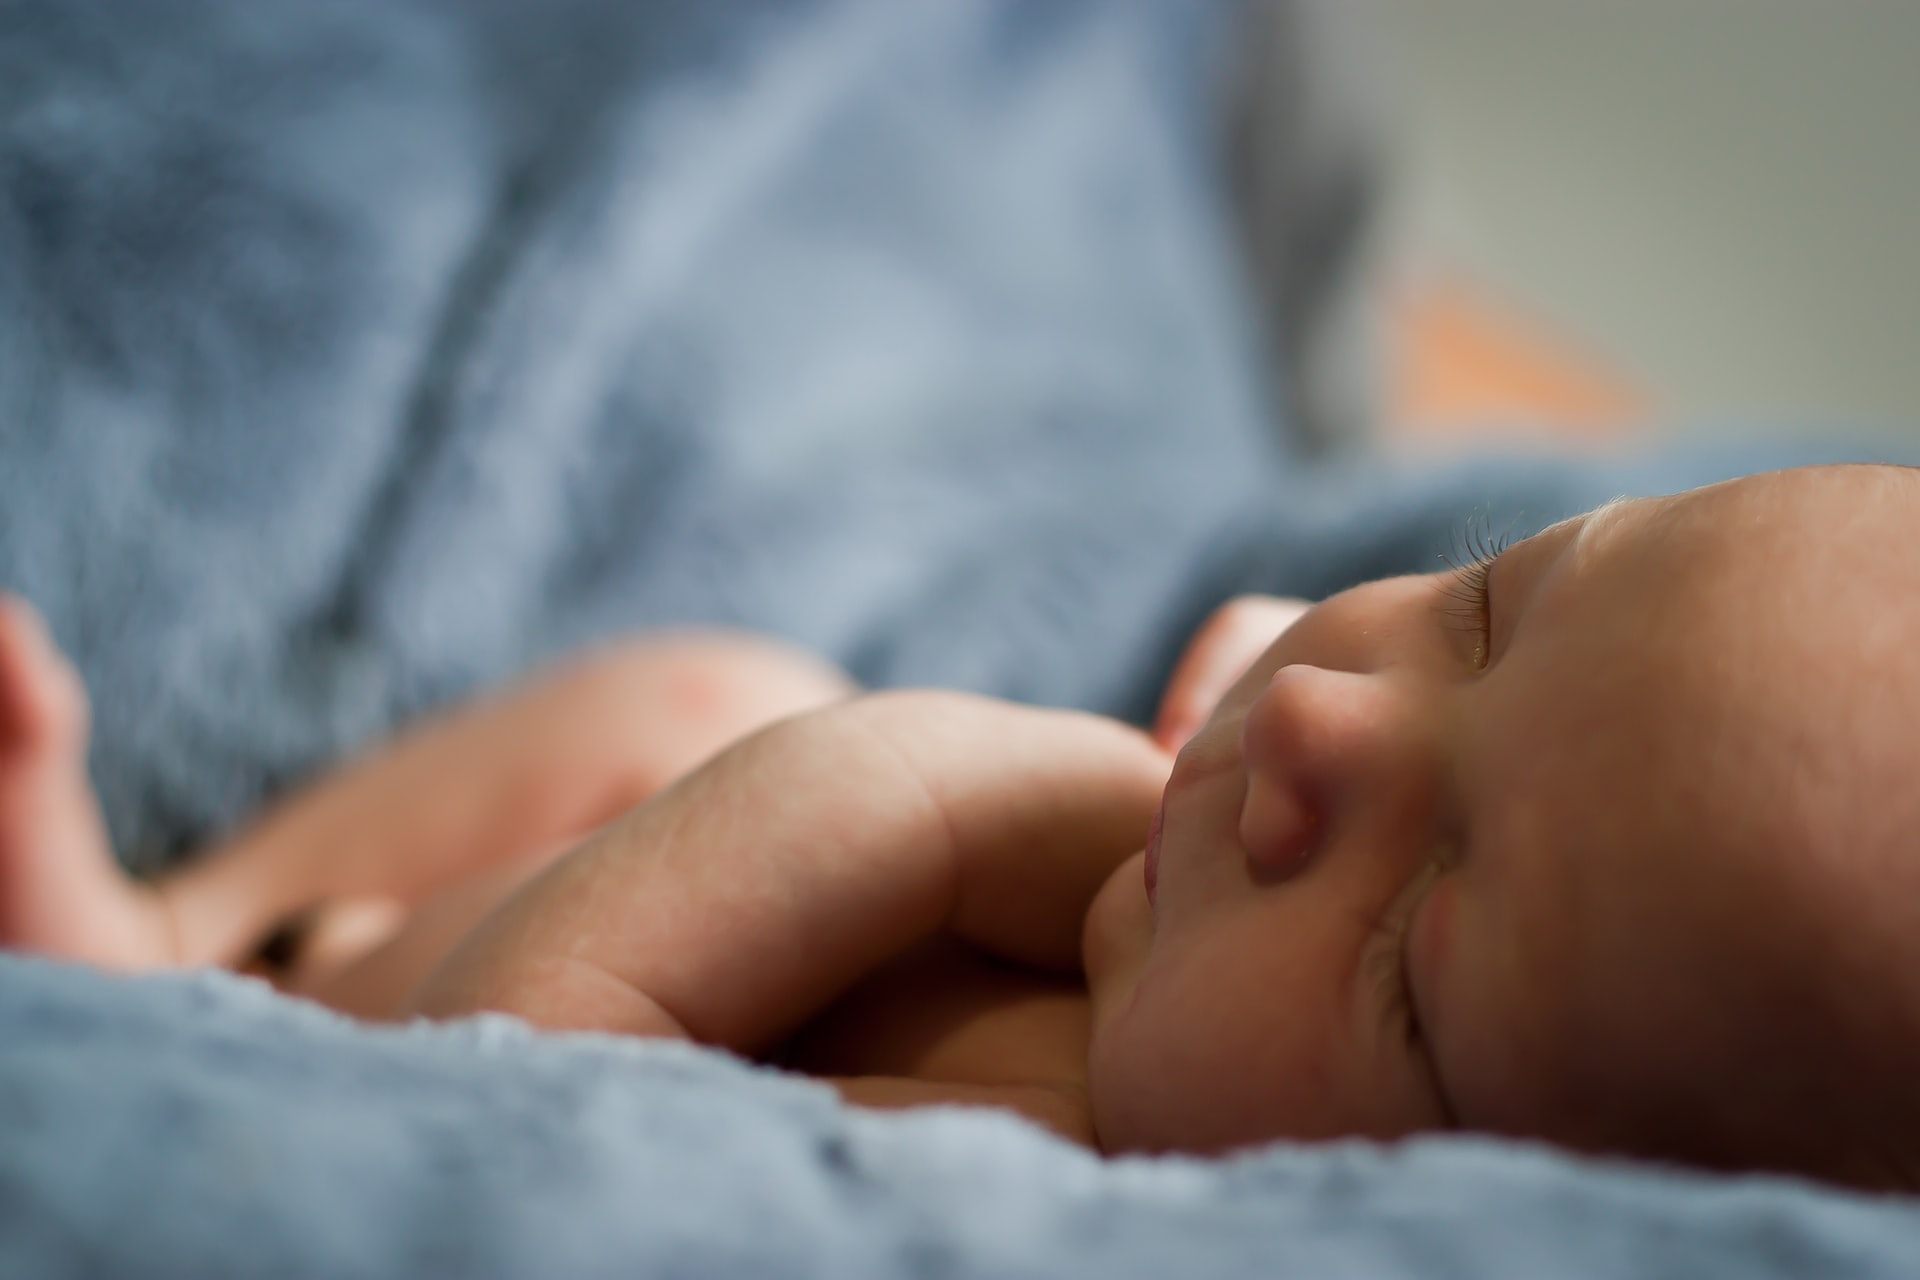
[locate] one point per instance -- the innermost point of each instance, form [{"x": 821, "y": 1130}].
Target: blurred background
[{"x": 1650, "y": 214}]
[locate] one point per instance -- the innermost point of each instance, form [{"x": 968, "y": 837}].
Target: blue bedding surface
[
  {"x": 258, "y": 1136},
  {"x": 355, "y": 356}
]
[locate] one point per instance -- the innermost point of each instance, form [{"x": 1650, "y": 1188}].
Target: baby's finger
[{"x": 1218, "y": 655}]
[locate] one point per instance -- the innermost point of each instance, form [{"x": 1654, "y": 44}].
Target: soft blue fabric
[
  {"x": 354, "y": 355},
  {"x": 256, "y": 1136}
]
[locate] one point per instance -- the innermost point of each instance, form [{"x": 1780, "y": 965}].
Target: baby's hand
[
  {"x": 735, "y": 905},
  {"x": 1219, "y": 654}
]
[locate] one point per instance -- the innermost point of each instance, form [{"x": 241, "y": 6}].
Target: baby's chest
[{"x": 945, "y": 1013}]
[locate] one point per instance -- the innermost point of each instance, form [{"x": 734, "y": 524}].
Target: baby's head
[{"x": 1612, "y": 841}]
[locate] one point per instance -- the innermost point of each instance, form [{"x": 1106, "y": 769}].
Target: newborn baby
[
  {"x": 1601, "y": 839},
  {"x": 1608, "y": 839},
  {"x": 1605, "y": 839}
]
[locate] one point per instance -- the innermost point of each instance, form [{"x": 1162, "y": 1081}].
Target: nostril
[
  {"x": 1278, "y": 829},
  {"x": 1279, "y": 819}
]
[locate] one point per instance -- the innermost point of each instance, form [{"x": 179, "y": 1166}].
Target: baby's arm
[
  {"x": 486, "y": 786},
  {"x": 739, "y": 903}
]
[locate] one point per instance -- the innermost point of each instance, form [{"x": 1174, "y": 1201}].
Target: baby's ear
[{"x": 1238, "y": 632}]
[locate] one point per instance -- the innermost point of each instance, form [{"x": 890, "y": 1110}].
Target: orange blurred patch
[{"x": 1466, "y": 366}]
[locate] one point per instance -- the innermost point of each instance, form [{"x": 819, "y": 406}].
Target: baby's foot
[{"x": 61, "y": 893}]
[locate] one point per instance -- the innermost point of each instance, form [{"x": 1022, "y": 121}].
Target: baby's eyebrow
[
  {"x": 1591, "y": 524},
  {"x": 1563, "y": 538},
  {"x": 1604, "y": 514}
]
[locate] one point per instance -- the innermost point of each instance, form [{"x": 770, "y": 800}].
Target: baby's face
[{"x": 1550, "y": 846}]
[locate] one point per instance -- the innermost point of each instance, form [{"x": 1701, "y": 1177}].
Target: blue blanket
[{"x": 355, "y": 356}]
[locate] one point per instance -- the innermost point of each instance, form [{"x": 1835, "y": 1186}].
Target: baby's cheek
[
  {"x": 1463, "y": 1001},
  {"x": 1430, "y": 938},
  {"x": 1433, "y": 971}
]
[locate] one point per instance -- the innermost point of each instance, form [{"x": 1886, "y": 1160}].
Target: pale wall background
[{"x": 1720, "y": 196}]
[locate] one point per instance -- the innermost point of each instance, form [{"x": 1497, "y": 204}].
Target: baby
[{"x": 1604, "y": 839}]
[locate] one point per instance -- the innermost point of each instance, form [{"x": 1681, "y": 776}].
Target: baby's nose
[
  {"x": 1277, "y": 825},
  {"x": 1315, "y": 742}
]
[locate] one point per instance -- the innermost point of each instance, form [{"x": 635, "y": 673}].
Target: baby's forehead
[
  {"x": 1816, "y": 508},
  {"x": 1763, "y": 697},
  {"x": 1752, "y": 563},
  {"x": 1724, "y": 665}
]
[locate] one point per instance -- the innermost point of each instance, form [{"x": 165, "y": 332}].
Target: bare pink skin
[
  {"x": 1624, "y": 860},
  {"x": 1150, "y": 856},
  {"x": 429, "y": 830},
  {"x": 59, "y": 891},
  {"x": 1227, "y": 644}
]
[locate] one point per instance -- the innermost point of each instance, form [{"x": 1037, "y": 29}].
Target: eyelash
[
  {"x": 1476, "y": 548},
  {"x": 1387, "y": 974},
  {"x": 1386, "y": 960}
]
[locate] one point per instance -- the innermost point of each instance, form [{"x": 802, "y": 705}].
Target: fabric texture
[
  {"x": 258, "y": 1136},
  {"x": 356, "y": 356}
]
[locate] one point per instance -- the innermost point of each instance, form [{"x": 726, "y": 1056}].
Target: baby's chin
[
  {"x": 1114, "y": 942},
  {"x": 1118, "y": 932},
  {"x": 1143, "y": 1091}
]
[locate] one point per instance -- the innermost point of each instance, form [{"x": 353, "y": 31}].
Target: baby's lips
[{"x": 1276, "y": 827}]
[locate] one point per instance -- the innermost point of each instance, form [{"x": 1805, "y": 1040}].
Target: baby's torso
[{"x": 945, "y": 1023}]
